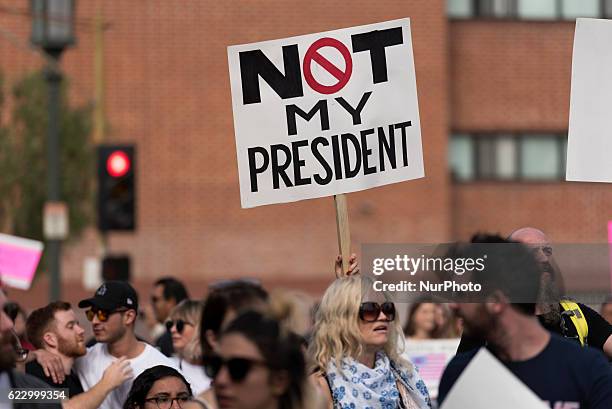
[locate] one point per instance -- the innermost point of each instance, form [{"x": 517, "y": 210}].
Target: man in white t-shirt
[{"x": 113, "y": 311}]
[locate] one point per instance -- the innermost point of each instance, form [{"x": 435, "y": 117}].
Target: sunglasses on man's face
[
  {"x": 180, "y": 325},
  {"x": 103, "y": 315},
  {"x": 370, "y": 311},
  {"x": 238, "y": 368}
]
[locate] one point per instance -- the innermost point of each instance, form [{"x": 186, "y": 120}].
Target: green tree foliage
[{"x": 23, "y": 159}]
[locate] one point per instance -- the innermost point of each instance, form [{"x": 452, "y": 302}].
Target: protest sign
[
  {"x": 495, "y": 386},
  {"x": 431, "y": 357},
  {"x": 19, "y": 258},
  {"x": 325, "y": 114},
  {"x": 590, "y": 130}
]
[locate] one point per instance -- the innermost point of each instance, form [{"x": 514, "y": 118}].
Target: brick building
[{"x": 483, "y": 71}]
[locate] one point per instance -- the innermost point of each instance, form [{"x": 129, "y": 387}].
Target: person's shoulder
[
  {"x": 151, "y": 353},
  {"x": 33, "y": 368},
  {"x": 463, "y": 358},
  {"x": 24, "y": 380},
  {"x": 572, "y": 352},
  {"x": 584, "y": 306}
]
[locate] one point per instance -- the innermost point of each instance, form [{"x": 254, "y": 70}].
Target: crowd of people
[{"x": 243, "y": 347}]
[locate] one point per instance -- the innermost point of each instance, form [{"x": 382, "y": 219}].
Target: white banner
[
  {"x": 590, "y": 130},
  {"x": 326, "y": 113}
]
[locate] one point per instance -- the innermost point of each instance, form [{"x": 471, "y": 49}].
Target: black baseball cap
[{"x": 112, "y": 295}]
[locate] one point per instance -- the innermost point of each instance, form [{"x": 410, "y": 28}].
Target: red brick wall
[
  {"x": 509, "y": 75},
  {"x": 167, "y": 90},
  {"x": 515, "y": 76}
]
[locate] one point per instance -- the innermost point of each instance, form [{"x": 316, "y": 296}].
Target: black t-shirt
[
  {"x": 562, "y": 373},
  {"x": 71, "y": 382},
  {"x": 599, "y": 331}
]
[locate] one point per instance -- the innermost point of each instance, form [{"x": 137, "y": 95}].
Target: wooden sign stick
[{"x": 344, "y": 234}]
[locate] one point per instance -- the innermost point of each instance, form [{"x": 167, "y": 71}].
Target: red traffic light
[{"x": 118, "y": 164}]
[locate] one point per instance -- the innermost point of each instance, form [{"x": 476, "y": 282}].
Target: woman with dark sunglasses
[
  {"x": 159, "y": 387},
  {"x": 259, "y": 365},
  {"x": 183, "y": 324},
  {"x": 356, "y": 347}
]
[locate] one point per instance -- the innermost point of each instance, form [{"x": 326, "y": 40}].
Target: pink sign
[{"x": 19, "y": 258}]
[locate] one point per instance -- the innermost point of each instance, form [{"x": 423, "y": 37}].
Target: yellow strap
[{"x": 578, "y": 319}]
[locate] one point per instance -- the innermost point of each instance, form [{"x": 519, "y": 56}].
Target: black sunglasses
[
  {"x": 238, "y": 368},
  {"x": 370, "y": 311},
  {"x": 180, "y": 325}
]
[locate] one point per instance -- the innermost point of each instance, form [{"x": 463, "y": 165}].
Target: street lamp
[{"x": 53, "y": 31}]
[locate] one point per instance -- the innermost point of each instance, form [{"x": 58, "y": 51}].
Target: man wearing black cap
[{"x": 112, "y": 312}]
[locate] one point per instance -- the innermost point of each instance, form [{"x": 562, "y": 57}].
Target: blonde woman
[
  {"x": 355, "y": 350},
  {"x": 184, "y": 325}
]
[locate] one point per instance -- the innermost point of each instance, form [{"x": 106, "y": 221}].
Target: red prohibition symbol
[{"x": 313, "y": 55}]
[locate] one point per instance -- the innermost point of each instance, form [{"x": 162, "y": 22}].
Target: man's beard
[
  {"x": 481, "y": 326},
  {"x": 8, "y": 355},
  {"x": 71, "y": 348},
  {"x": 548, "y": 301}
]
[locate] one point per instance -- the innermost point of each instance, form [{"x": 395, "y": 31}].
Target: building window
[
  {"x": 462, "y": 157},
  {"x": 540, "y": 157},
  {"x": 536, "y": 10},
  {"x": 529, "y": 9},
  {"x": 507, "y": 157},
  {"x": 460, "y": 8},
  {"x": 572, "y": 9}
]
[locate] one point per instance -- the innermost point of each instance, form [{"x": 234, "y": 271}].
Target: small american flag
[{"x": 430, "y": 366}]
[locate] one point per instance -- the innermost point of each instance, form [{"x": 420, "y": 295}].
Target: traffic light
[
  {"x": 116, "y": 187},
  {"x": 116, "y": 267}
]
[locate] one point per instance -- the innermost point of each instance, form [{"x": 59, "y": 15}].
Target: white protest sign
[
  {"x": 590, "y": 129},
  {"x": 486, "y": 383},
  {"x": 431, "y": 357},
  {"x": 327, "y": 113}
]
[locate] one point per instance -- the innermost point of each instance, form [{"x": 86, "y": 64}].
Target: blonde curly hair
[
  {"x": 336, "y": 333},
  {"x": 190, "y": 311}
]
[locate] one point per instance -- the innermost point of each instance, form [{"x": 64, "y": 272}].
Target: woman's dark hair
[
  {"x": 281, "y": 350},
  {"x": 237, "y": 295},
  {"x": 144, "y": 382}
]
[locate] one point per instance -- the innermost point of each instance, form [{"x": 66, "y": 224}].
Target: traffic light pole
[{"x": 54, "y": 80}]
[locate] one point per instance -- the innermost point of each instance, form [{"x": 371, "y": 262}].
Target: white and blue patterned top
[{"x": 357, "y": 386}]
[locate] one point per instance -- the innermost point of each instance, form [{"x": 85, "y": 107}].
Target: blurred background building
[{"x": 493, "y": 79}]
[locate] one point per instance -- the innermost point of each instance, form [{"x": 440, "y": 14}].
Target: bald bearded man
[{"x": 549, "y": 309}]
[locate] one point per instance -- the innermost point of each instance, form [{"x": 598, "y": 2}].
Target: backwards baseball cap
[{"x": 112, "y": 295}]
